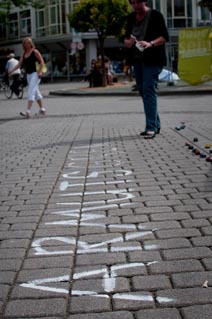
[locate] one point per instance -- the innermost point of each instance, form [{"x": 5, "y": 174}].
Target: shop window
[
  {"x": 155, "y": 4},
  {"x": 40, "y": 21},
  {"x": 25, "y": 22},
  {"x": 53, "y": 14},
  {"x": 53, "y": 19},
  {"x": 179, "y": 8},
  {"x": 13, "y": 26},
  {"x": 205, "y": 14},
  {"x": 179, "y": 13},
  {"x": 2, "y": 31}
]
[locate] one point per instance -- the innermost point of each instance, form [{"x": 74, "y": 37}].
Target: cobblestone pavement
[{"x": 98, "y": 223}]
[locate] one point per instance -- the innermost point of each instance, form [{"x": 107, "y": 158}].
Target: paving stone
[
  {"x": 27, "y": 226},
  {"x": 166, "y": 244},
  {"x": 44, "y": 307},
  {"x": 57, "y": 230},
  {"x": 197, "y": 311},
  {"x": 86, "y": 304},
  {"x": 154, "y": 210},
  {"x": 28, "y": 207},
  {"x": 48, "y": 262},
  {"x": 4, "y": 227},
  {"x": 184, "y": 297},
  {"x": 4, "y": 290},
  {"x": 20, "y": 219},
  {"x": 7, "y": 277},
  {"x": 159, "y": 225},
  {"x": 101, "y": 259},
  {"x": 151, "y": 283},
  {"x": 188, "y": 253},
  {"x": 186, "y": 208},
  {"x": 10, "y": 264},
  {"x": 195, "y": 223},
  {"x": 15, "y": 243},
  {"x": 50, "y": 249},
  {"x": 93, "y": 230},
  {"x": 42, "y": 290},
  {"x": 12, "y": 253},
  {"x": 191, "y": 279},
  {"x": 26, "y": 212},
  {"x": 133, "y": 300},
  {"x": 99, "y": 286},
  {"x": 163, "y": 203},
  {"x": 126, "y": 246},
  {"x": 201, "y": 214},
  {"x": 145, "y": 256},
  {"x": 207, "y": 230},
  {"x": 178, "y": 196},
  {"x": 135, "y": 219},
  {"x": 161, "y": 234},
  {"x": 172, "y": 216},
  {"x": 158, "y": 314},
  {"x": 106, "y": 315},
  {"x": 166, "y": 267},
  {"x": 202, "y": 241},
  {"x": 1, "y": 307},
  {"x": 7, "y": 214},
  {"x": 207, "y": 262},
  {"x": 19, "y": 234}
]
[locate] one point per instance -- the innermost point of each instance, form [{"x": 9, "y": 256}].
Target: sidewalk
[
  {"x": 95, "y": 221},
  {"x": 125, "y": 89}
]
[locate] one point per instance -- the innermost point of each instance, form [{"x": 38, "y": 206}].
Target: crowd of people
[{"x": 95, "y": 76}]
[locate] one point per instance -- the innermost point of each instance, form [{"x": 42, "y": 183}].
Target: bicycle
[{"x": 9, "y": 88}]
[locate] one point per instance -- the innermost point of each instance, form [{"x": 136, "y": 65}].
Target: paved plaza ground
[{"x": 97, "y": 222}]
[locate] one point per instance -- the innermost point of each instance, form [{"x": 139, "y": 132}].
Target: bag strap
[{"x": 145, "y": 23}]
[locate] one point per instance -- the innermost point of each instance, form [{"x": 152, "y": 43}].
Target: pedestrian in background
[
  {"x": 109, "y": 71},
  {"x": 12, "y": 78},
  {"x": 94, "y": 77},
  {"x": 146, "y": 34},
  {"x": 29, "y": 58}
]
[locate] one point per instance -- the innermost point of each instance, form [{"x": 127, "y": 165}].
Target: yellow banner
[{"x": 194, "y": 64}]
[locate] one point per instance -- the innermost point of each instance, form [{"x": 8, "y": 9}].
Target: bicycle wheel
[
  {"x": 21, "y": 92},
  {"x": 8, "y": 92}
]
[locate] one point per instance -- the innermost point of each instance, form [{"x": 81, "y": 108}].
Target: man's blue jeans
[{"x": 147, "y": 81}]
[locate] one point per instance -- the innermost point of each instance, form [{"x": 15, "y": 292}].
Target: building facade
[{"x": 68, "y": 53}]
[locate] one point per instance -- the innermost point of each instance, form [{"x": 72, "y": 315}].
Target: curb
[{"x": 178, "y": 91}]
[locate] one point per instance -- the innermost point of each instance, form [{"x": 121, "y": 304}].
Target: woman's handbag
[{"x": 44, "y": 68}]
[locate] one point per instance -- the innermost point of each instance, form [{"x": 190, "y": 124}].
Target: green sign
[{"x": 194, "y": 64}]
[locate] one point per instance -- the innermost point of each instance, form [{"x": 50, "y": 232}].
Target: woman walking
[{"x": 30, "y": 57}]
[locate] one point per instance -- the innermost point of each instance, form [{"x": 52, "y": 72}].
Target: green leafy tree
[
  {"x": 106, "y": 17},
  {"x": 6, "y": 5}
]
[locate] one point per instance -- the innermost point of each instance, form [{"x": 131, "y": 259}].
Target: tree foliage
[
  {"x": 206, "y": 4},
  {"x": 22, "y": 3},
  {"x": 7, "y": 5},
  {"x": 106, "y": 17}
]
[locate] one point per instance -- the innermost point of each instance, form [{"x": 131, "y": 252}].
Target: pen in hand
[{"x": 137, "y": 43}]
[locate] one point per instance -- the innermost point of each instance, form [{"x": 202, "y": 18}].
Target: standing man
[
  {"x": 146, "y": 34},
  {"x": 11, "y": 63}
]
